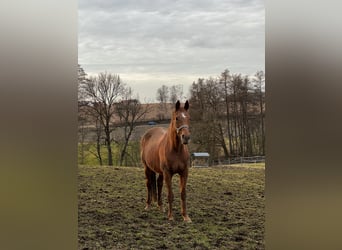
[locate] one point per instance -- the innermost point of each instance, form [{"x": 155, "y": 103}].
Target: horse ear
[
  {"x": 186, "y": 106},
  {"x": 177, "y": 105}
]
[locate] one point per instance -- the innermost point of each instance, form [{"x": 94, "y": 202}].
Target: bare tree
[
  {"x": 207, "y": 101},
  {"x": 103, "y": 92},
  {"x": 82, "y": 117},
  {"x": 225, "y": 80},
  {"x": 163, "y": 94},
  {"x": 244, "y": 103},
  {"x": 130, "y": 111},
  {"x": 98, "y": 138},
  {"x": 214, "y": 97},
  {"x": 162, "y": 98},
  {"x": 81, "y": 138},
  {"x": 85, "y": 118},
  {"x": 82, "y": 80},
  {"x": 176, "y": 93},
  {"x": 259, "y": 84}
]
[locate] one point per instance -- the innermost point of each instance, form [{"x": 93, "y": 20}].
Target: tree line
[{"x": 227, "y": 116}]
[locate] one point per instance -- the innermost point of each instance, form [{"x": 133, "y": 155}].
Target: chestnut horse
[{"x": 165, "y": 152}]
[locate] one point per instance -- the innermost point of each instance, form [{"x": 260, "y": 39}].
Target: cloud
[{"x": 173, "y": 37}]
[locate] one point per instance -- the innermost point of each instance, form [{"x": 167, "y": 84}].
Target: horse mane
[{"x": 171, "y": 134}]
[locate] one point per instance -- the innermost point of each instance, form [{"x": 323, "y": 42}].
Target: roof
[{"x": 200, "y": 154}]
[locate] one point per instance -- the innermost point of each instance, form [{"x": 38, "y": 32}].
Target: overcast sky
[{"x": 154, "y": 42}]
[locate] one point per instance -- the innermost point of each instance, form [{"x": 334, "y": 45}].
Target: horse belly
[
  {"x": 152, "y": 159},
  {"x": 150, "y": 148}
]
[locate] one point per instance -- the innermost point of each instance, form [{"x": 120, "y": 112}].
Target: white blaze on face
[{"x": 183, "y": 115}]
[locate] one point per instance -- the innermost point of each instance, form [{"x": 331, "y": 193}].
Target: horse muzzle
[
  {"x": 185, "y": 135},
  {"x": 185, "y": 139}
]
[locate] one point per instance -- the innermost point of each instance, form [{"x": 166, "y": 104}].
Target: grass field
[{"x": 226, "y": 205}]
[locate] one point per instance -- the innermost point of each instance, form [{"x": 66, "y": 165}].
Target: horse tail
[{"x": 153, "y": 186}]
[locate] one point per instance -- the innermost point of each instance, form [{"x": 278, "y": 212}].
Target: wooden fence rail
[{"x": 240, "y": 160}]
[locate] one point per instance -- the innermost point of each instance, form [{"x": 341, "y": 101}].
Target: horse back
[{"x": 149, "y": 146}]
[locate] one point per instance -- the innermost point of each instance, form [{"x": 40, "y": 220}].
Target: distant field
[{"x": 226, "y": 205}]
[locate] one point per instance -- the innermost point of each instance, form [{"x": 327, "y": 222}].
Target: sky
[{"x": 151, "y": 43}]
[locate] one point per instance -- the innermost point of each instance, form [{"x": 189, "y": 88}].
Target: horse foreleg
[
  {"x": 182, "y": 186},
  {"x": 168, "y": 182},
  {"x": 160, "y": 188}
]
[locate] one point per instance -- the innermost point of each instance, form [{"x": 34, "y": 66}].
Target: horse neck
[{"x": 173, "y": 138}]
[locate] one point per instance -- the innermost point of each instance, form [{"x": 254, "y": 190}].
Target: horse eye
[{"x": 177, "y": 118}]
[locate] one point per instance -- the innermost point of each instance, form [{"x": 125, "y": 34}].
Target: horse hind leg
[
  {"x": 160, "y": 181},
  {"x": 151, "y": 187}
]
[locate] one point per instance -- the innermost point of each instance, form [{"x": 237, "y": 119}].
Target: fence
[{"x": 240, "y": 160}]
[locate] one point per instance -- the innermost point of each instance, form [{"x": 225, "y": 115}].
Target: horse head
[{"x": 181, "y": 120}]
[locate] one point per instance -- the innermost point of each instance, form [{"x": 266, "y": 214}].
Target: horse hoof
[
  {"x": 187, "y": 219},
  {"x": 171, "y": 218},
  {"x": 147, "y": 207}
]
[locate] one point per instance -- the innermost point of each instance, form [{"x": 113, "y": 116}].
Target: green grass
[
  {"x": 226, "y": 205},
  {"x": 89, "y": 153}
]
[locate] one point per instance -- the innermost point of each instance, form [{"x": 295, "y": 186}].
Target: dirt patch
[{"x": 226, "y": 205}]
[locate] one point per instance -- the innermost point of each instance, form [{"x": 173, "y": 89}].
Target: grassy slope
[{"x": 226, "y": 205}]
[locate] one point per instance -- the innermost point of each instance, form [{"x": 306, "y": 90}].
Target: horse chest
[{"x": 176, "y": 162}]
